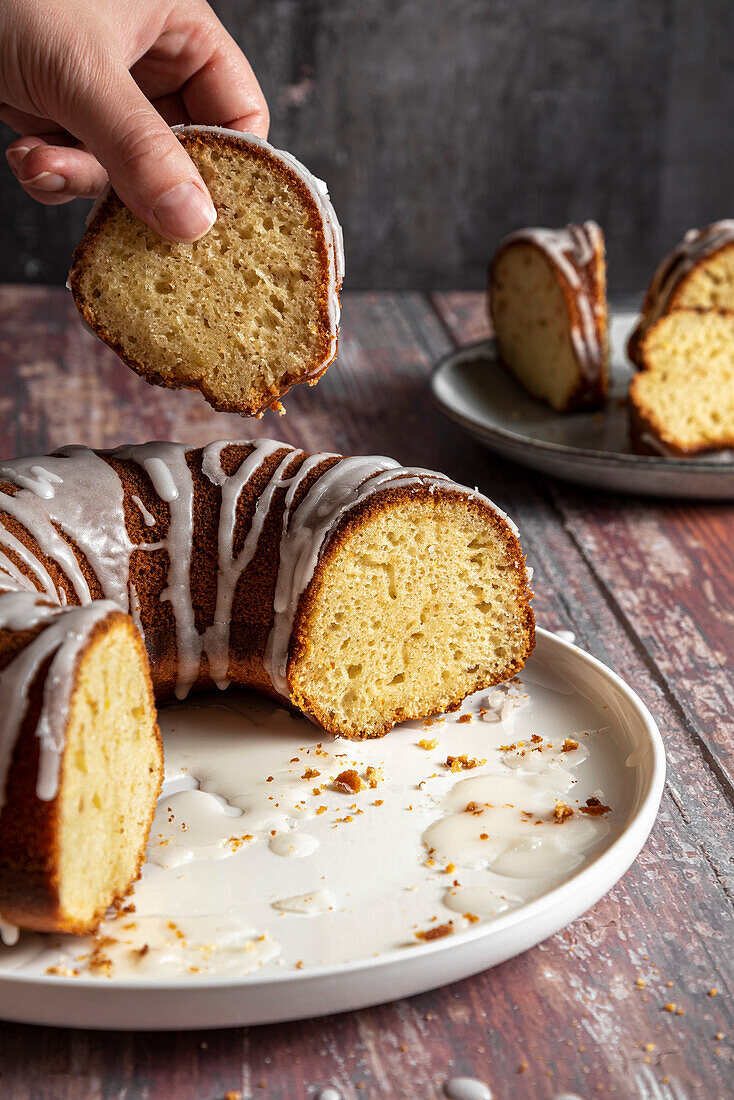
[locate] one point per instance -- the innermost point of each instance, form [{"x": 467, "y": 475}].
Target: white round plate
[
  {"x": 590, "y": 448},
  {"x": 233, "y": 952}
]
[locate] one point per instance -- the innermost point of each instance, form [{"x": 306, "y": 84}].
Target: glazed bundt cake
[
  {"x": 697, "y": 273},
  {"x": 361, "y": 592},
  {"x": 547, "y": 304},
  {"x": 245, "y": 312},
  {"x": 682, "y": 400}
]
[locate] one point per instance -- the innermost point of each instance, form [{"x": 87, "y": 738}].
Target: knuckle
[{"x": 142, "y": 142}]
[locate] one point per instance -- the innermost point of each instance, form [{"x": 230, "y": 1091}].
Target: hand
[{"x": 91, "y": 85}]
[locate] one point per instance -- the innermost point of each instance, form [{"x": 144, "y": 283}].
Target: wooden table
[{"x": 635, "y": 997}]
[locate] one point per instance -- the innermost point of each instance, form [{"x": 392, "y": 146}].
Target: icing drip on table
[
  {"x": 466, "y": 1088},
  {"x": 80, "y": 493}
]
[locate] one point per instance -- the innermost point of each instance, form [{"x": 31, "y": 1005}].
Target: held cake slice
[
  {"x": 547, "y": 303},
  {"x": 242, "y": 314},
  {"x": 682, "y": 400},
  {"x": 697, "y": 273}
]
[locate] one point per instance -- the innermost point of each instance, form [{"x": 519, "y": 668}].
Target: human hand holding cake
[{"x": 92, "y": 90}]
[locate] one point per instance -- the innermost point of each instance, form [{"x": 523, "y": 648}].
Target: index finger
[{"x": 225, "y": 90}]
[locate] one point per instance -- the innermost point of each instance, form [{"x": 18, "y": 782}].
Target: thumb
[{"x": 147, "y": 166}]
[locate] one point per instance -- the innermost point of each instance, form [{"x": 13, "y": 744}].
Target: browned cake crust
[
  {"x": 577, "y": 257},
  {"x": 643, "y": 434},
  {"x": 29, "y": 832},
  {"x": 267, "y": 396}
]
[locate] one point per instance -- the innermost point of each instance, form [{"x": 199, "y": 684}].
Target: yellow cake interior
[
  {"x": 532, "y": 324},
  {"x": 686, "y": 390},
  {"x": 422, "y": 603},
  {"x": 710, "y": 284},
  {"x": 111, "y": 773}
]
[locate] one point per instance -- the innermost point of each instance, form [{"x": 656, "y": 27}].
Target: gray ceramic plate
[{"x": 590, "y": 448}]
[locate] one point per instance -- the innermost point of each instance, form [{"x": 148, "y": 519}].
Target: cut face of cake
[
  {"x": 83, "y": 783},
  {"x": 242, "y": 314},
  {"x": 547, "y": 304},
  {"x": 419, "y": 602},
  {"x": 697, "y": 274},
  {"x": 682, "y": 400}
]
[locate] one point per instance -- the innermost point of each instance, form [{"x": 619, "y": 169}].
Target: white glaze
[
  {"x": 319, "y": 901},
  {"x": 230, "y": 568},
  {"x": 466, "y": 1088},
  {"x": 293, "y": 845},
  {"x": 9, "y": 934},
  {"x": 167, "y": 468},
  {"x": 501, "y": 837},
  {"x": 64, "y": 638},
  {"x": 148, "y": 519}
]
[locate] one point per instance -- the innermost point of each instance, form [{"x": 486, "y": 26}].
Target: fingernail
[
  {"x": 18, "y": 153},
  {"x": 185, "y": 212},
  {"x": 46, "y": 181}
]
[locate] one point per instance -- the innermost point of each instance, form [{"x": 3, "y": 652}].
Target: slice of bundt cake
[
  {"x": 697, "y": 273},
  {"x": 85, "y": 770},
  {"x": 682, "y": 400},
  {"x": 547, "y": 304},
  {"x": 245, "y": 312}
]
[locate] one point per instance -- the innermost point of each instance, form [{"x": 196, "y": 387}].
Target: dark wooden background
[{"x": 439, "y": 125}]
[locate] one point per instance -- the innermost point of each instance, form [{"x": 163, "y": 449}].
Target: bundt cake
[
  {"x": 359, "y": 591},
  {"x": 682, "y": 400},
  {"x": 245, "y": 312},
  {"x": 697, "y": 273},
  {"x": 547, "y": 304}
]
